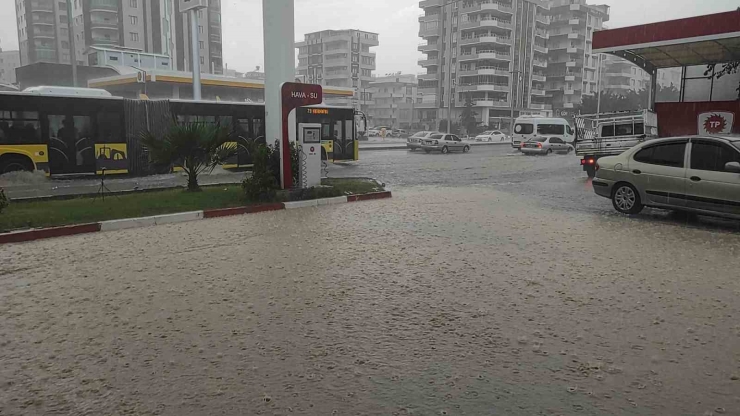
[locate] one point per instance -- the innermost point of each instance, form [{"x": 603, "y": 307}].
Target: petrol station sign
[{"x": 292, "y": 96}]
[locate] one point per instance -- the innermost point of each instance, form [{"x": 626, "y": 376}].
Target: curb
[
  {"x": 403, "y": 146},
  {"x": 130, "y": 223}
]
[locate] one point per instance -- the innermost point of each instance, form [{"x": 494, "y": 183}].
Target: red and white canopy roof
[{"x": 699, "y": 40}]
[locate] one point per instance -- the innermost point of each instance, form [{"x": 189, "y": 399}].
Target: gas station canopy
[{"x": 700, "y": 40}]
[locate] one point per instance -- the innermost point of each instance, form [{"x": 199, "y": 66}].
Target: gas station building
[{"x": 691, "y": 44}]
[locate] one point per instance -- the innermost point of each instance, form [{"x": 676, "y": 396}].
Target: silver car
[
  {"x": 414, "y": 142},
  {"x": 444, "y": 143},
  {"x": 696, "y": 174},
  {"x": 545, "y": 146}
]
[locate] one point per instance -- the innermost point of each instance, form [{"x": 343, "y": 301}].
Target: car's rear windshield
[
  {"x": 420, "y": 134},
  {"x": 436, "y": 137},
  {"x": 550, "y": 129},
  {"x": 542, "y": 139},
  {"x": 486, "y": 133},
  {"x": 524, "y": 128}
]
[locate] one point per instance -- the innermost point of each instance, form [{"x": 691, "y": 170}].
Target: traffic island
[{"x": 36, "y": 220}]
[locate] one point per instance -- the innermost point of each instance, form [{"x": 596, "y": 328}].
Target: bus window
[
  {"x": 226, "y": 121},
  {"x": 524, "y": 128},
  {"x": 20, "y": 127},
  {"x": 111, "y": 152},
  {"x": 186, "y": 119},
  {"x": 109, "y": 128},
  {"x": 338, "y": 130},
  {"x": 550, "y": 129},
  {"x": 326, "y": 132},
  {"x": 258, "y": 128}
]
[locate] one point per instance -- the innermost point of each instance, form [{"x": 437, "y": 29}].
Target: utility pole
[
  {"x": 598, "y": 86},
  {"x": 195, "y": 54},
  {"x": 514, "y": 81},
  {"x": 72, "y": 48}
]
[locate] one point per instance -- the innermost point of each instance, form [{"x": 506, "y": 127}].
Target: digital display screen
[{"x": 319, "y": 111}]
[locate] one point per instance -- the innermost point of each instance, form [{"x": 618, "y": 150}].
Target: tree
[
  {"x": 727, "y": 69},
  {"x": 468, "y": 117},
  {"x": 194, "y": 147},
  {"x": 454, "y": 127}
]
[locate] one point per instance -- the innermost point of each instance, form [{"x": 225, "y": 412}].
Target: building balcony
[
  {"x": 485, "y": 70},
  {"x": 541, "y": 49},
  {"x": 574, "y": 50},
  {"x": 425, "y": 33},
  {"x": 428, "y": 47},
  {"x": 505, "y": 24},
  {"x": 574, "y": 22},
  {"x": 539, "y": 78},
  {"x": 43, "y": 22},
  {"x": 490, "y": 5},
  {"x": 540, "y": 64},
  {"x": 42, "y": 7},
  {"x": 568, "y": 91},
  {"x": 489, "y": 55},
  {"x": 573, "y": 64},
  {"x": 429, "y": 18},
  {"x": 492, "y": 103},
  {"x": 574, "y": 35},
  {"x": 570, "y": 78},
  {"x": 484, "y": 87},
  {"x": 426, "y": 105},
  {"x": 428, "y": 77},
  {"x": 575, "y": 7},
  {"x": 337, "y": 75},
  {"x": 542, "y": 34},
  {"x": 541, "y": 18},
  {"x": 430, "y": 3},
  {"x": 108, "y": 6},
  {"x": 568, "y": 105},
  {"x": 427, "y": 90},
  {"x": 428, "y": 62},
  {"x": 103, "y": 24},
  {"x": 485, "y": 39},
  {"x": 537, "y": 92}
]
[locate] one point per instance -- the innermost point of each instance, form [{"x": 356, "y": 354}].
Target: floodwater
[{"x": 441, "y": 301}]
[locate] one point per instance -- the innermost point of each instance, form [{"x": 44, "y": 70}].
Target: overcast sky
[{"x": 395, "y": 20}]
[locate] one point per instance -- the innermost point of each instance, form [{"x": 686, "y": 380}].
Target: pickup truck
[{"x": 610, "y": 134}]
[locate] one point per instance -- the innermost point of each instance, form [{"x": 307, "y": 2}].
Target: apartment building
[
  {"x": 9, "y": 61},
  {"x": 149, "y": 26},
  {"x": 391, "y": 100},
  {"x": 43, "y": 31},
  {"x": 339, "y": 58},
  {"x": 620, "y": 75},
  {"x": 572, "y": 68},
  {"x": 495, "y": 53}
]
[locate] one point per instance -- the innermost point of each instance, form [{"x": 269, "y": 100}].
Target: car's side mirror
[{"x": 733, "y": 167}]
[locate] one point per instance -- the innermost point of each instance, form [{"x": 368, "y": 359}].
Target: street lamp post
[{"x": 514, "y": 75}]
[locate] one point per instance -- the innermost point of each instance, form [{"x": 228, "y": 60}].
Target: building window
[
  {"x": 65, "y": 44},
  {"x": 201, "y": 44},
  {"x": 63, "y": 19},
  {"x": 134, "y": 20},
  {"x": 200, "y": 14},
  {"x": 134, "y": 4},
  {"x": 134, "y": 37},
  {"x": 200, "y": 29},
  {"x": 202, "y": 61}
]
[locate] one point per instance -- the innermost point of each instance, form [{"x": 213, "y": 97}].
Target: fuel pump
[{"x": 309, "y": 139}]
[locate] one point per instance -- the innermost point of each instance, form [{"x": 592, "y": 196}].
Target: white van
[{"x": 527, "y": 128}]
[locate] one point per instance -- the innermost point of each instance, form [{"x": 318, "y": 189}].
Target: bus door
[
  {"x": 344, "y": 140},
  {"x": 71, "y": 144}
]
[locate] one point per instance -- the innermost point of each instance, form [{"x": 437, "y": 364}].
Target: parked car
[
  {"x": 414, "y": 142},
  {"x": 373, "y": 133},
  {"x": 399, "y": 133},
  {"x": 492, "y": 136},
  {"x": 444, "y": 143},
  {"x": 545, "y": 146},
  {"x": 695, "y": 174}
]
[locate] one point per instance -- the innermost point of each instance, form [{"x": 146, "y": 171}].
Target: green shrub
[
  {"x": 3, "y": 200},
  {"x": 265, "y": 180}
]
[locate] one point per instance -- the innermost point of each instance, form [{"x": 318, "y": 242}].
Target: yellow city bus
[{"x": 65, "y": 134}]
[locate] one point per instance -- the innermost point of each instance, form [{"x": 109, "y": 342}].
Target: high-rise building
[
  {"x": 572, "y": 68},
  {"x": 338, "y": 58},
  {"x": 391, "y": 101},
  {"x": 9, "y": 61},
  {"x": 620, "y": 75},
  {"x": 495, "y": 52},
  {"x": 150, "y": 26},
  {"x": 43, "y": 31}
]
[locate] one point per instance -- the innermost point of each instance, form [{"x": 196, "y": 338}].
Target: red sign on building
[{"x": 294, "y": 95}]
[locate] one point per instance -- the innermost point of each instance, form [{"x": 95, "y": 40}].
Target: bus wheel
[{"x": 15, "y": 163}]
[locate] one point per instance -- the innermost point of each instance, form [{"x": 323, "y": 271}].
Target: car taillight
[
  {"x": 436, "y": 142},
  {"x": 587, "y": 161},
  {"x": 539, "y": 145},
  {"x": 597, "y": 167}
]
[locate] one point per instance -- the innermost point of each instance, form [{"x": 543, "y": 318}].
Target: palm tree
[{"x": 194, "y": 147}]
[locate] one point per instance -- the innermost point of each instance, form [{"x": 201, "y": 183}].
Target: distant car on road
[
  {"x": 373, "y": 133},
  {"x": 399, "y": 133},
  {"x": 545, "y": 146},
  {"x": 694, "y": 174},
  {"x": 444, "y": 143},
  {"x": 414, "y": 142},
  {"x": 492, "y": 136}
]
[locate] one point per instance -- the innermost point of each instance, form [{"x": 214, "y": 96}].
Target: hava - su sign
[{"x": 294, "y": 95}]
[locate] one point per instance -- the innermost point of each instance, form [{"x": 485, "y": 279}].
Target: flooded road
[{"x": 450, "y": 299}]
